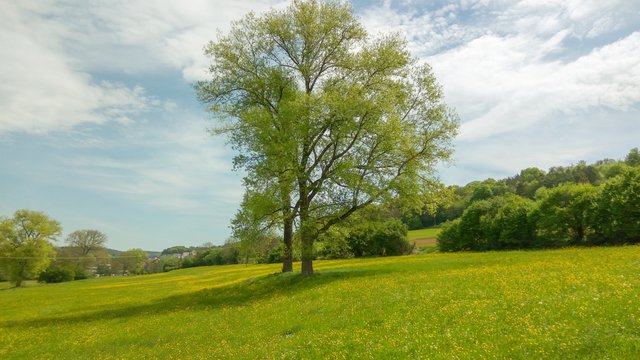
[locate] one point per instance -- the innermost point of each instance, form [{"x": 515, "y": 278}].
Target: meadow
[
  {"x": 424, "y": 239},
  {"x": 430, "y": 233},
  {"x": 569, "y": 303}
]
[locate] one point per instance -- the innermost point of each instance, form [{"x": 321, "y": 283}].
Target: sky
[{"x": 100, "y": 128}]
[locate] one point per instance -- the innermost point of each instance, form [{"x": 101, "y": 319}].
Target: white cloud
[
  {"x": 177, "y": 167},
  {"x": 589, "y": 136},
  {"x": 426, "y": 32},
  {"x": 508, "y": 65},
  {"x": 523, "y": 90},
  {"x": 39, "y": 89},
  {"x": 527, "y": 75},
  {"x": 49, "y": 49},
  {"x": 146, "y": 36}
]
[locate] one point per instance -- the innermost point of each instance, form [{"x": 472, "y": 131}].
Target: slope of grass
[
  {"x": 573, "y": 303},
  {"x": 430, "y": 233}
]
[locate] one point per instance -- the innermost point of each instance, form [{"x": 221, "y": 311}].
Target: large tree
[
  {"x": 633, "y": 157},
  {"x": 563, "y": 214},
  {"x": 25, "y": 244},
  {"x": 617, "y": 215},
  {"x": 86, "y": 249},
  {"x": 87, "y": 241},
  {"x": 129, "y": 262},
  {"x": 327, "y": 120}
]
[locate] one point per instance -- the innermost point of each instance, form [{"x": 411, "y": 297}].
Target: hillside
[{"x": 566, "y": 303}]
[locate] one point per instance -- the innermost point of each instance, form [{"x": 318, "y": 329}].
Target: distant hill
[{"x": 114, "y": 252}]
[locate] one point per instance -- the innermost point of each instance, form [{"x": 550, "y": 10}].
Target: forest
[{"x": 582, "y": 204}]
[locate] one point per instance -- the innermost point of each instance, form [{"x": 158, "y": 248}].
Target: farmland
[
  {"x": 424, "y": 238},
  {"x": 430, "y": 233},
  {"x": 568, "y": 303}
]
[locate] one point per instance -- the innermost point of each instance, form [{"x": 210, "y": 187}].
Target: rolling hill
[{"x": 569, "y": 303}]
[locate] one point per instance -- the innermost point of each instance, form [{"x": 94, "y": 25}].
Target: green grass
[
  {"x": 572, "y": 303},
  {"x": 430, "y": 233}
]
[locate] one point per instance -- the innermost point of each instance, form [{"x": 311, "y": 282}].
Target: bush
[
  {"x": 271, "y": 255},
  {"x": 498, "y": 223},
  {"x": 333, "y": 245},
  {"x": 56, "y": 274},
  {"x": 616, "y": 218},
  {"x": 80, "y": 274},
  {"x": 513, "y": 226},
  {"x": 563, "y": 213},
  {"x": 227, "y": 254},
  {"x": 103, "y": 270},
  {"x": 379, "y": 238},
  {"x": 476, "y": 228},
  {"x": 413, "y": 222},
  {"x": 448, "y": 239}
]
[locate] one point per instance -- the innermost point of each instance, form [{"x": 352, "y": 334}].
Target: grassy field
[
  {"x": 430, "y": 233},
  {"x": 572, "y": 303},
  {"x": 424, "y": 238}
]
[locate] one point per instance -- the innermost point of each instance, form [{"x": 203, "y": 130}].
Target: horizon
[{"x": 102, "y": 130}]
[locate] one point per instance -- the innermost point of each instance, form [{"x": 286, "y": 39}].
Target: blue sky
[{"x": 100, "y": 129}]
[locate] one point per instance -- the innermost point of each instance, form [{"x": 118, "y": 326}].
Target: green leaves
[
  {"x": 563, "y": 214},
  {"x": 25, "y": 247},
  {"x": 326, "y": 120},
  {"x": 617, "y": 213}
]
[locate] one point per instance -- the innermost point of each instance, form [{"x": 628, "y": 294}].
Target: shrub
[
  {"x": 80, "y": 274},
  {"x": 55, "y": 274},
  {"x": 221, "y": 255},
  {"x": 475, "y": 228},
  {"x": 333, "y": 245},
  {"x": 563, "y": 213},
  {"x": 413, "y": 222},
  {"x": 448, "y": 239},
  {"x": 498, "y": 223},
  {"x": 103, "y": 270},
  {"x": 616, "y": 217},
  {"x": 379, "y": 238},
  {"x": 513, "y": 225},
  {"x": 271, "y": 255}
]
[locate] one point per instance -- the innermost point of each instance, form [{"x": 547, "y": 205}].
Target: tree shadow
[{"x": 246, "y": 292}]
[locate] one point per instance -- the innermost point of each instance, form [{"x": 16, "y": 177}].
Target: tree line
[
  {"x": 449, "y": 203},
  {"x": 596, "y": 204},
  {"x": 28, "y": 251}
]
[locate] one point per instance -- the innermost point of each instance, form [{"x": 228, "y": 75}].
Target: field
[
  {"x": 430, "y": 233},
  {"x": 424, "y": 237},
  {"x": 572, "y": 303}
]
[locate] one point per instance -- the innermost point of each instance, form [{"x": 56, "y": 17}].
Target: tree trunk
[
  {"x": 287, "y": 219},
  {"x": 21, "y": 273},
  {"x": 307, "y": 265},
  {"x": 306, "y": 238},
  {"x": 287, "y": 259},
  {"x": 306, "y": 233},
  {"x": 580, "y": 235},
  {"x": 307, "y": 252}
]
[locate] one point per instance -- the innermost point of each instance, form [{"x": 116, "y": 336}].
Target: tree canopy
[
  {"x": 25, "y": 244},
  {"x": 570, "y": 214},
  {"x": 129, "y": 262},
  {"x": 87, "y": 241},
  {"x": 326, "y": 119}
]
